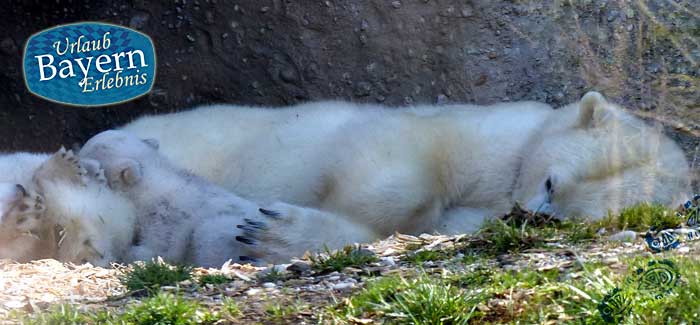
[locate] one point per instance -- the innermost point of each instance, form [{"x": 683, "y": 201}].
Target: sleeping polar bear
[
  {"x": 421, "y": 169},
  {"x": 56, "y": 206},
  {"x": 179, "y": 216}
]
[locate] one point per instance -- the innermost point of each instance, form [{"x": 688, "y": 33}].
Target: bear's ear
[
  {"x": 153, "y": 143},
  {"x": 593, "y": 110},
  {"x": 128, "y": 172}
]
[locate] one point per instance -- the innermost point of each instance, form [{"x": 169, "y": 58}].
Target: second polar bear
[
  {"x": 180, "y": 216},
  {"x": 53, "y": 207},
  {"x": 96, "y": 224},
  {"x": 425, "y": 168}
]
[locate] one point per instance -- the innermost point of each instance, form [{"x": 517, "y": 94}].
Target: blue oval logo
[{"x": 89, "y": 64}]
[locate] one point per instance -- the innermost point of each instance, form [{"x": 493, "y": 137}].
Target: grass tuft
[
  {"x": 427, "y": 255},
  {"x": 340, "y": 259},
  {"x": 501, "y": 237},
  {"x": 59, "y": 314},
  {"x": 150, "y": 276},
  {"x": 515, "y": 235},
  {"x": 473, "y": 279},
  {"x": 230, "y": 308},
  {"x": 422, "y": 300},
  {"x": 281, "y": 313},
  {"x": 273, "y": 275},
  {"x": 213, "y": 279},
  {"x": 165, "y": 308},
  {"x": 643, "y": 216}
]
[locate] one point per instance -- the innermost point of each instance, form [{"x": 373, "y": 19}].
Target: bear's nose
[{"x": 540, "y": 204}]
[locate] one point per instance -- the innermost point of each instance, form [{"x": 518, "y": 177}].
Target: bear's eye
[{"x": 548, "y": 185}]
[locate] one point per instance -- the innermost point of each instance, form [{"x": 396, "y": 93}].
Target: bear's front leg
[{"x": 283, "y": 231}]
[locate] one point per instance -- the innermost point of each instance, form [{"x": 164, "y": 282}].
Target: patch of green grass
[
  {"x": 671, "y": 308},
  {"x": 549, "y": 298},
  {"x": 427, "y": 255},
  {"x": 472, "y": 279},
  {"x": 471, "y": 257},
  {"x": 230, "y": 307},
  {"x": 421, "y": 300},
  {"x": 280, "y": 313},
  {"x": 340, "y": 259},
  {"x": 153, "y": 275},
  {"x": 165, "y": 308},
  {"x": 502, "y": 237},
  {"x": 213, "y": 279},
  {"x": 577, "y": 230},
  {"x": 59, "y": 314},
  {"x": 641, "y": 217},
  {"x": 273, "y": 275},
  {"x": 507, "y": 236}
]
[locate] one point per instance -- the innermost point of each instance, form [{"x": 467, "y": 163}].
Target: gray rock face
[{"x": 644, "y": 55}]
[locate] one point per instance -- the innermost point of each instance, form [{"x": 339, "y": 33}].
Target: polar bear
[
  {"x": 180, "y": 217},
  {"x": 55, "y": 206},
  {"x": 96, "y": 224},
  {"x": 594, "y": 157},
  {"x": 424, "y": 168}
]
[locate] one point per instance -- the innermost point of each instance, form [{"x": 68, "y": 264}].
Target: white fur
[
  {"x": 98, "y": 223},
  {"x": 180, "y": 216},
  {"x": 19, "y": 167},
  {"x": 424, "y": 168}
]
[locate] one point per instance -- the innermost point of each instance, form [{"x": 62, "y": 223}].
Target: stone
[
  {"x": 299, "y": 267},
  {"x": 623, "y": 236},
  {"x": 139, "y": 20},
  {"x": 343, "y": 286}
]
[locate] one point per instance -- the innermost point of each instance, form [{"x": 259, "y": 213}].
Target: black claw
[
  {"x": 269, "y": 213},
  {"x": 245, "y": 240},
  {"x": 21, "y": 189},
  {"x": 247, "y": 229},
  {"x": 255, "y": 224}
]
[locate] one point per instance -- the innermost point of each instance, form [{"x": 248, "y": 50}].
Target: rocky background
[{"x": 644, "y": 54}]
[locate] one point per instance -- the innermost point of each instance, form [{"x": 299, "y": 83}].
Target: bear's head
[
  {"x": 121, "y": 155},
  {"x": 96, "y": 224},
  {"x": 592, "y": 157}
]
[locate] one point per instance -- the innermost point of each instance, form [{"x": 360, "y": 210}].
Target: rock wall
[{"x": 643, "y": 54}]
